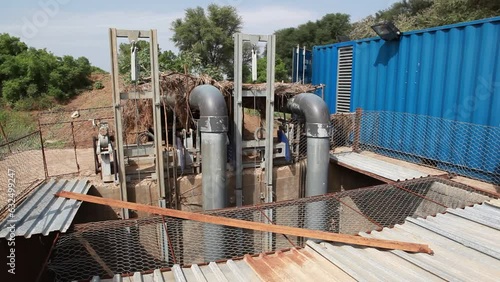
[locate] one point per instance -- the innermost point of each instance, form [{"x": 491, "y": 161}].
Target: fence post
[
  {"x": 74, "y": 147},
  {"x": 45, "y": 168},
  {"x": 5, "y": 137},
  {"x": 357, "y": 129}
]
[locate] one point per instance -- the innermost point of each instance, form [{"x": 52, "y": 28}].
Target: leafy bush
[
  {"x": 29, "y": 73},
  {"x": 98, "y": 85},
  {"x": 17, "y": 124},
  {"x": 98, "y": 70},
  {"x": 34, "y": 104},
  {"x": 419, "y": 14}
]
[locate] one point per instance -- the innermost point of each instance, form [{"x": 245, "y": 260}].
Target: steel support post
[
  {"x": 134, "y": 35},
  {"x": 115, "y": 82},
  {"x": 155, "y": 83},
  {"x": 239, "y": 39},
  {"x": 238, "y": 117},
  {"x": 271, "y": 60}
]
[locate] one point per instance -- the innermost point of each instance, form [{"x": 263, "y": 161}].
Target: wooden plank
[{"x": 286, "y": 230}]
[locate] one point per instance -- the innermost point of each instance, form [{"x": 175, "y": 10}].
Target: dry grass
[{"x": 180, "y": 86}]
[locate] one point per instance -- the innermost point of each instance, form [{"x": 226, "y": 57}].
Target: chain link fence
[
  {"x": 466, "y": 149},
  {"x": 23, "y": 160},
  {"x": 342, "y": 128},
  {"x": 124, "y": 247},
  {"x": 68, "y": 138}
]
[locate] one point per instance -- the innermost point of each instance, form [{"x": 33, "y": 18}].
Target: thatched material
[{"x": 180, "y": 86}]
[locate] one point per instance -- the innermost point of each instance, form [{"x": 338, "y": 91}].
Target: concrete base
[{"x": 286, "y": 182}]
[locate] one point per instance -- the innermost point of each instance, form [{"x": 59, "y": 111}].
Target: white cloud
[{"x": 267, "y": 19}]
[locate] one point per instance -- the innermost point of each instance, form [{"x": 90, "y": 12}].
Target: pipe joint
[
  {"x": 317, "y": 130},
  {"x": 213, "y": 124}
]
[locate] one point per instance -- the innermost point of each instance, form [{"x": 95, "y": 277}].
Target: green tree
[
  {"x": 69, "y": 77},
  {"x": 30, "y": 77},
  {"x": 190, "y": 62},
  {"x": 124, "y": 57},
  {"x": 323, "y": 31},
  {"x": 405, "y": 7},
  {"x": 10, "y": 46},
  {"x": 281, "y": 73},
  {"x": 444, "y": 12},
  {"x": 169, "y": 61},
  {"x": 330, "y": 27},
  {"x": 420, "y": 14},
  {"x": 27, "y": 74},
  {"x": 209, "y": 34}
]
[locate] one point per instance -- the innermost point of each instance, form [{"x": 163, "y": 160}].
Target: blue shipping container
[{"x": 450, "y": 72}]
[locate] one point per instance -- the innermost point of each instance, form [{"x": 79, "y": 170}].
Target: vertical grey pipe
[
  {"x": 317, "y": 117},
  {"x": 316, "y": 114},
  {"x": 213, "y": 126}
]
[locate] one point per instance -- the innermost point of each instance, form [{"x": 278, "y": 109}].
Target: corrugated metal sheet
[
  {"x": 465, "y": 244},
  {"x": 371, "y": 165},
  {"x": 42, "y": 213},
  {"x": 293, "y": 265},
  {"x": 465, "y": 249}
]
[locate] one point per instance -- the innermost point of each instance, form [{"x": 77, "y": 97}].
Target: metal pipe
[
  {"x": 315, "y": 111},
  {"x": 213, "y": 126}
]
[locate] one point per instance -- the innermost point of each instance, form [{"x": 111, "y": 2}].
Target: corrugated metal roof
[
  {"x": 371, "y": 165},
  {"x": 42, "y": 212},
  {"x": 465, "y": 248},
  {"x": 465, "y": 244}
]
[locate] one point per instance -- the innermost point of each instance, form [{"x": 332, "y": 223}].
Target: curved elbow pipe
[
  {"x": 213, "y": 111},
  {"x": 314, "y": 110},
  {"x": 213, "y": 124},
  {"x": 317, "y": 117},
  {"x": 316, "y": 114}
]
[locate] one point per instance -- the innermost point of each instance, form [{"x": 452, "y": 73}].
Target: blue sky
[{"x": 80, "y": 28}]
